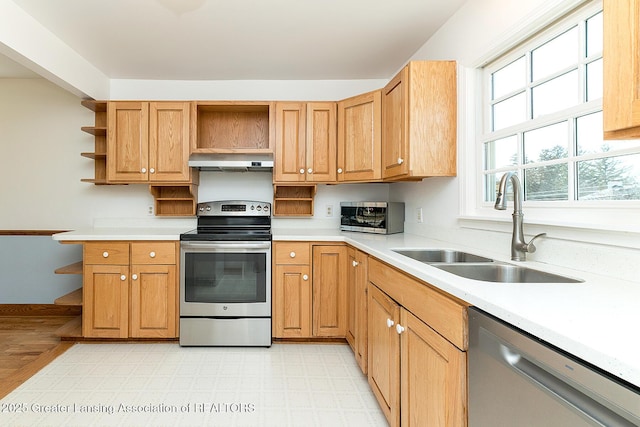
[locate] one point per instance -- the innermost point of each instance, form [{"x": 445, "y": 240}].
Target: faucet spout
[{"x": 519, "y": 246}]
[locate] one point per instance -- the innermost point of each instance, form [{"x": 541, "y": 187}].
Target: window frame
[{"x": 618, "y": 215}]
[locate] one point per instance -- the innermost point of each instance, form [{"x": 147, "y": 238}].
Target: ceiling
[{"x": 242, "y": 39}]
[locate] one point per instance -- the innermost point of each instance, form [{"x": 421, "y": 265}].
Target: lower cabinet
[
  {"x": 130, "y": 290},
  {"x": 417, "y": 375},
  {"x": 309, "y": 290},
  {"x": 357, "y": 305}
]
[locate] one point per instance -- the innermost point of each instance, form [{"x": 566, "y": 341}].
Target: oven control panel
[{"x": 234, "y": 208}]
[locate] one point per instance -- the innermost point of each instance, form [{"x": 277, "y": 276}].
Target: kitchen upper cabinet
[
  {"x": 419, "y": 122},
  {"x": 148, "y": 142},
  {"x": 130, "y": 290},
  {"x": 305, "y": 148},
  {"x": 621, "y": 55},
  {"x": 359, "y": 138}
]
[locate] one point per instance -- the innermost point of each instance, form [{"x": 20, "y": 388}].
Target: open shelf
[
  {"x": 72, "y": 298},
  {"x": 174, "y": 199},
  {"x": 231, "y": 127},
  {"x": 293, "y": 200},
  {"x": 99, "y": 132},
  {"x": 75, "y": 268}
]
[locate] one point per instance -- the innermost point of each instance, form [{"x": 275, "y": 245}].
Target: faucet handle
[{"x": 531, "y": 248}]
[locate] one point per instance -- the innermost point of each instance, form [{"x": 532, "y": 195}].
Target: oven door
[{"x": 225, "y": 279}]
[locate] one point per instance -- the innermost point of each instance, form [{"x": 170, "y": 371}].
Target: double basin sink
[{"x": 476, "y": 267}]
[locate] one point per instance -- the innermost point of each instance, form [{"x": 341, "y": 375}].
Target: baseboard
[{"x": 39, "y": 310}]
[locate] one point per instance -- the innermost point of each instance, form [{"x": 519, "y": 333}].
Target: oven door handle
[{"x": 234, "y": 245}]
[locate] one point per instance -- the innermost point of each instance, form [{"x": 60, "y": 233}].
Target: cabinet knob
[
  {"x": 390, "y": 323},
  {"x": 152, "y": 170},
  {"x": 309, "y": 170},
  {"x": 301, "y": 170},
  {"x": 143, "y": 170},
  {"x": 399, "y": 329},
  {"x": 305, "y": 277},
  {"x": 339, "y": 170},
  {"x": 354, "y": 263},
  {"x": 105, "y": 254},
  {"x": 123, "y": 277},
  {"x": 400, "y": 160},
  {"x": 152, "y": 254},
  {"x": 134, "y": 277},
  {"x": 292, "y": 254}
]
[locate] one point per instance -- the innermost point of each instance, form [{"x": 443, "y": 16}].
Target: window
[{"x": 543, "y": 120}]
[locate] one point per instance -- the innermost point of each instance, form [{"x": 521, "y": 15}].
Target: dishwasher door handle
[{"x": 561, "y": 390}]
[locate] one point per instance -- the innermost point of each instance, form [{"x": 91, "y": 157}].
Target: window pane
[
  {"x": 509, "y": 78},
  {"x": 594, "y": 80},
  {"x": 491, "y": 182},
  {"x": 555, "y": 95},
  {"x": 547, "y": 183},
  {"x": 610, "y": 178},
  {"x": 501, "y": 152},
  {"x": 509, "y": 112},
  {"x": 555, "y": 55},
  {"x": 547, "y": 143},
  {"x": 594, "y": 34},
  {"x": 590, "y": 138}
]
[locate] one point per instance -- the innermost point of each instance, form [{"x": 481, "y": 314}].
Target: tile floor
[{"x": 168, "y": 385}]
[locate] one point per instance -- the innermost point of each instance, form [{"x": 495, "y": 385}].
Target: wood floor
[{"x": 29, "y": 340}]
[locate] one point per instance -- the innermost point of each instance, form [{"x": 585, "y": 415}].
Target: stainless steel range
[{"x": 225, "y": 276}]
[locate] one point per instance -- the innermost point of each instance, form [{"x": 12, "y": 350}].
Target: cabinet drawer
[
  {"x": 443, "y": 313},
  {"x": 153, "y": 253},
  {"x": 114, "y": 253},
  {"x": 292, "y": 253}
]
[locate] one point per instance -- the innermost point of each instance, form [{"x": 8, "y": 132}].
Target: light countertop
[{"x": 596, "y": 320}]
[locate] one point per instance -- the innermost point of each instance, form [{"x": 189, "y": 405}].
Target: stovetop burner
[{"x": 231, "y": 220}]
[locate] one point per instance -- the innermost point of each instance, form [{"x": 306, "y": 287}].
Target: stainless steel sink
[
  {"x": 432, "y": 256},
  {"x": 504, "y": 273}
]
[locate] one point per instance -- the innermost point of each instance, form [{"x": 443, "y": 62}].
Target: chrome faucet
[{"x": 519, "y": 247}]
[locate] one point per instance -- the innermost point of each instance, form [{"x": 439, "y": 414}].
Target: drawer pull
[
  {"x": 123, "y": 277},
  {"x": 390, "y": 323},
  {"x": 354, "y": 263},
  {"x": 105, "y": 254},
  {"x": 399, "y": 329},
  {"x": 152, "y": 254},
  {"x": 292, "y": 254},
  {"x": 134, "y": 277}
]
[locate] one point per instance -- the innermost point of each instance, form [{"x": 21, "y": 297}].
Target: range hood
[{"x": 232, "y": 162}]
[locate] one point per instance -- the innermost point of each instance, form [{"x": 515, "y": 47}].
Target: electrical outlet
[
  {"x": 419, "y": 217},
  {"x": 150, "y": 210},
  {"x": 329, "y": 210}
]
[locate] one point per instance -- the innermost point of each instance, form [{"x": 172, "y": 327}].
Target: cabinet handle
[
  {"x": 123, "y": 277},
  {"x": 105, "y": 254},
  {"x": 152, "y": 170},
  {"x": 143, "y": 170},
  {"x": 399, "y": 329},
  {"x": 400, "y": 160},
  {"x": 305, "y": 277},
  {"x": 152, "y": 254},
  {"x": 301, "y": 170},
  {"x": 354, "y": 263},
  {"x": 309, "y": 170},
  {"x": 134, "y": 277},
  {"x": 292, "y": 254},
  {"x": 390, "y": 323},
  {"x": 339, "y": 170}
]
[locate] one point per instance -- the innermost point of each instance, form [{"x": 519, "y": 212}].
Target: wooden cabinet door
[
  {"x": 290, "y": 154},
  {"x": 169, "y": 141},
  {"x": 395, "y": 142},
  {"x": 292, "y": 301},
  {"x": 105, "y": 303},
  {"x": 321, "y": 142},
  {"x": 361, "y": 303},
  {"x": 433, "y": 377},
  {"x": 127, "y": 141},
  {"x": 621, "y": 54},
  {"x": 359, "y": 137},
  {"x": 153, "y": 301},
  {"x": 351, "y": 332},
  {"x": 384, "y": 353},
  {"x": 329, "y": 290}
]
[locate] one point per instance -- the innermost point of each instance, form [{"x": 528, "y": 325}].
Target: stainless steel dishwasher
[{"x": 517, "y": 380}]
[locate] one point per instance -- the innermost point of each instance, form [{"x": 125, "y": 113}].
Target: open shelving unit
[
  {"x": 73, "y": 328},
  {"x": 99, "y": 132},
  {"x": 293, "y": 200},
  {"x": 174, "y": 199}
]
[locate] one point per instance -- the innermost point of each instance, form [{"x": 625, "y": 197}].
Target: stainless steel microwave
[{"x": 372, "y": 217}]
